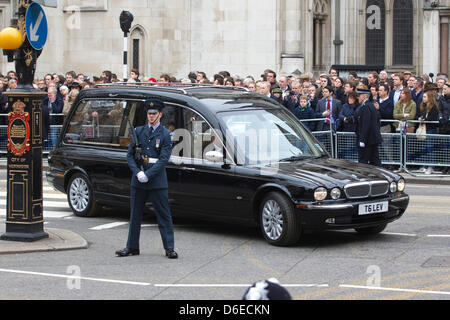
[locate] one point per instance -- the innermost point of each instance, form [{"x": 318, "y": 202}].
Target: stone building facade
[{"x": 243, "y": 36}]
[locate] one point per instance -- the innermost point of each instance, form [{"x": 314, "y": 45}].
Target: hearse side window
[
  {"x": 169, "y": 117},
  {"x": 200, "y": 134},
  {"x": 100, "y": 123}
]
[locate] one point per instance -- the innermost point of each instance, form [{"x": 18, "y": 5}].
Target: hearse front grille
[{"x": 367, "y": 189}]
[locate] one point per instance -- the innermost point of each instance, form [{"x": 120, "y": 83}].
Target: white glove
[
  {"x": 142, "y": 177},
  {"x": 362, "y": 144}
]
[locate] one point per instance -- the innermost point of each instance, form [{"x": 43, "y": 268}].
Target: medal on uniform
[{"x": 157, "y": 143}]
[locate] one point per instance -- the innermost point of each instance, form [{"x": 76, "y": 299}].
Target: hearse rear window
[{"x": 102, "y": 123}]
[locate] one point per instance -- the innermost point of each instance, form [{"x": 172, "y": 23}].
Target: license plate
[{"x": 373, "y": 208}]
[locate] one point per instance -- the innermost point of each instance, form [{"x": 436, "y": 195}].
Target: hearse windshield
[{"x": 262, "y": 136}]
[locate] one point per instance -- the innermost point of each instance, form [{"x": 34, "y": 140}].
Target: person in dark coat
[
  {"x": 291, "y": 101},
  {"x": 277, "y": 95},
  {"x": 386, "y": 108},
  {"x": 52, "y": 106},
  {"x": 444, "y": 110},
  {"x": 3, "y": 107},
  {"x": 347, "y": 115},
  {"x": 367, "y": 129},
  {"x": 304, "y": 112},
  {"x": 429, "y": 113},
  {"x": 329, "y": 109},
  {"x": 149, "y": 181},
  {"x": 339, "y": 91},
  {"x": 55, "y": 105}
]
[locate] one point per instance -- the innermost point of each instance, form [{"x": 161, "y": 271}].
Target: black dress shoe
[
  {"x": 171, "y": 254},
  {"x": 127, "y": 252}
]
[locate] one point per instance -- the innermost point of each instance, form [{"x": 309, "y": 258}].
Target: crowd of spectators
[{"x": 399, "y": 97}]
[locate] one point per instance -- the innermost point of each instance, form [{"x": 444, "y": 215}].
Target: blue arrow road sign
[{"x": 36, "y": 25}]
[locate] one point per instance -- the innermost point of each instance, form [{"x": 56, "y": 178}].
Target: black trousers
[
  {"x": 160, "y": 200},
  {"x": 369, "y": 155}
]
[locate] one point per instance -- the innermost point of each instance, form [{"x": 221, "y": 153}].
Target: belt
[{"x": 146, "y": 159}]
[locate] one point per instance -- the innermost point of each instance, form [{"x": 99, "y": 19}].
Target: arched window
[
  {"x": 403, "y": 32},
  {"x": 375, "y": 32},
  {"x": 137, "y": 49}
]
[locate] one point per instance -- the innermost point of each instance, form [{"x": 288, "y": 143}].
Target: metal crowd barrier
[
  {"x": 430, "y": 150},
  {"x": 401, "y": 149},
  {"x": 325, "y": 137},
  {"x": 390, "y": 149}
]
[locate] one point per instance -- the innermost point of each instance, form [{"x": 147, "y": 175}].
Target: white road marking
[
  {"x": 75, "y": 277},
  {"x": 53, "y": 275},
  {"x": 218, "y": 285},
  {"x": 400, "y": 234},
  {"x": 394, "y": 289},
  {"x": 438, "y": 235},
  {"x": 108, "y": 226}
]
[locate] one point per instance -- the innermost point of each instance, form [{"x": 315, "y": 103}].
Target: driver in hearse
[{"x": 150, "y": 181}]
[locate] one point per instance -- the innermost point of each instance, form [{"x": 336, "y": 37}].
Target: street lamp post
[
  {"x": 25, "y": 218},
  {"x": 126, "y": 18}
]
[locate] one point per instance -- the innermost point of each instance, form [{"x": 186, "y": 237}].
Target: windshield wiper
[{"x": 294, "y": 158}]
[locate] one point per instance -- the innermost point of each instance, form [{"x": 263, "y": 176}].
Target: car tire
[
  {"x": 81, "y": 197},
  {"x": 371, "y": 230},
  {"x": 279, "y": 223}
]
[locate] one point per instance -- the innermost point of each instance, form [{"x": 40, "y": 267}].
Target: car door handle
[{"x": 188, "y": 169}]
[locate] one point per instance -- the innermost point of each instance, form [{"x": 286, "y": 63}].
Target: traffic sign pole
[{"x": 25, "y": 216}]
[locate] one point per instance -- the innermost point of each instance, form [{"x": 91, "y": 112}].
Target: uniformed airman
[{"x": 150, "y": 180}]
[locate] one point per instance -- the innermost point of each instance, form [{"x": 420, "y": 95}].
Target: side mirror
[{"x": 214, "y": 156}]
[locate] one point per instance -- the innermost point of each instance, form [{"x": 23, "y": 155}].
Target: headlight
[
  {"x": 401, "y": 185},
  {"x": 335, "y": 193},
  {"x": 393, "y": 187},
  {"x": 320, "y": 194}
]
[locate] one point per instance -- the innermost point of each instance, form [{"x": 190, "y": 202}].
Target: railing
[
  {"x": 430, "y": 150},
  {"x": 402, "y": 149},
  {"x": 390, "y": 149}
]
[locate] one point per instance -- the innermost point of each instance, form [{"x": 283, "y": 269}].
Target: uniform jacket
[
  {"x": 158, "y": 148},
  {"x": 368, "y": 124}
]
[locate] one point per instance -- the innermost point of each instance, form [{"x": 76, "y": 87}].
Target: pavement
[{"x": 60, "y": 239}]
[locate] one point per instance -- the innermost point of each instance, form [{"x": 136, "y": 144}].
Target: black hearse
[{"x": 237, "y": 156}]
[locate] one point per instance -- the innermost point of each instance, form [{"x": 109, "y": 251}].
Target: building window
[
  {"x": 135, "y": 53},
  {"x": 319, "y": 31},
  {"x": 403, "y": 32},
  {"x": 137, "y": 57},
  {"x": 375, "y": 32}
]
